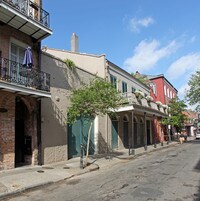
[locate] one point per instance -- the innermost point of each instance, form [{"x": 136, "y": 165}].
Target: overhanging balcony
[
  {"x": 16, "y": 78},
  {"x": 26, "y": 16}
]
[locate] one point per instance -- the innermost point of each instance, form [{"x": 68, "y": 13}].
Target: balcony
[
  {"x": 16, "y": 78},
  {"x": 26, "y": 16}
]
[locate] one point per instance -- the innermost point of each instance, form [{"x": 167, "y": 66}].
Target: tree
[
  {"x": 176, "y": 117},
  {"x": 99, "y": 97},
  {"x": 193, "y": 94},
  {"x": 141, "y": 78}
]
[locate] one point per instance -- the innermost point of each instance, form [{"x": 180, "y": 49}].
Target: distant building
[
  {"x": 161, "y": 89},
  {"x": 191, "y": 123}
]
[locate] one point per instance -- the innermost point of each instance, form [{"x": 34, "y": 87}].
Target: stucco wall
[
  {"x": 91, "y": 63},
  {"x": 54, "y": 109}
]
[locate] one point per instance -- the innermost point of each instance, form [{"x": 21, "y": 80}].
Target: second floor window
[
  {"x": 113, "y": 81},
  {"x": 124, "y": 87},
  {"x": 153, "y": 87},
  {"x": 133, "y": 90}
]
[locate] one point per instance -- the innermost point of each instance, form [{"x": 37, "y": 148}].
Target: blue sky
[{"x": 149, "y": 36}]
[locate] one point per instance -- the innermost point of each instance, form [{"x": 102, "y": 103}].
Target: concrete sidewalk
[{"x": 21, "y": 179}]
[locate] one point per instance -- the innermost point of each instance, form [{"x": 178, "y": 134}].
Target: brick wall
[{"x": 7, "y": 130}]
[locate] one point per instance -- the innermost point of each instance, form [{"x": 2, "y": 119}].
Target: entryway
[
  {"x": 77, "y": 135},
  {"x": 22, "y": 143}
]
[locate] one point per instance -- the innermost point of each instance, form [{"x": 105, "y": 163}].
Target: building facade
[
  {"x": 23, "y": 24},
  {"x": 162, "y": 90},
  {"x": 137, "y": 123}
]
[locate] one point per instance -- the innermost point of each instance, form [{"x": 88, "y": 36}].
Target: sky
[{"x": 150, "y": 36}]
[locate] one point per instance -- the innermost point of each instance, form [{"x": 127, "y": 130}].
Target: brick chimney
[{"x": 74, "y": 43}]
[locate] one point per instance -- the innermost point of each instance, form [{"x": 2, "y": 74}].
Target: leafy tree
[
  {"x": 99, "y": 97},
  {"x": 193, "y": 94},
  {"x": 176, "y": 117},
  {"x": 141, "y": 78}
]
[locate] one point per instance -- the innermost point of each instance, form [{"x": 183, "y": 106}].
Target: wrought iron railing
[
  {"x": 14, "y": 72},
  {"x": 32, "y": 10}
]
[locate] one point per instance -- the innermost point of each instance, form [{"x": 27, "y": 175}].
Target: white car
[{"x": 198, "y": 135}]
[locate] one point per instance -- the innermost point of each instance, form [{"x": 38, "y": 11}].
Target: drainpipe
[
  {"x": 39, "y": 143},
  {"x": 39, "y": 133}
]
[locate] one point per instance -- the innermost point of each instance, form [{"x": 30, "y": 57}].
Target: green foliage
[
  {"x": 70, "y": 63},
  {"x": 176, "y": 117},
  {"x": 193, "y": 94},
  {"x": 99, "y": 97},
  {"x": 141, "y": 78}
]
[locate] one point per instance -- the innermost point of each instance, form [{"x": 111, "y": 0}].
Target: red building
[{"x": 161, "y": 89}]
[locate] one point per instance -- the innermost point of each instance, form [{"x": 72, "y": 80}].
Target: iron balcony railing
[
  {"x": 14, "y": 72},
  {"x": 30, "y": 9}
]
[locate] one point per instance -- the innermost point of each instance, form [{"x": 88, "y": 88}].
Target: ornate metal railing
[
  {"x": 11, "y": 71},
  {"x": 31, "y": 9}
]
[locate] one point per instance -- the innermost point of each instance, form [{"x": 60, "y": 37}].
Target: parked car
[{"x": 198, "y": 135}]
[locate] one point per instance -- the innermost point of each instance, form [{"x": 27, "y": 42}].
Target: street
[{"x": 170, "y": 174}]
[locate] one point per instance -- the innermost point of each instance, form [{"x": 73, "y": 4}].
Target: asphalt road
[{"x": 171, "y": 174}]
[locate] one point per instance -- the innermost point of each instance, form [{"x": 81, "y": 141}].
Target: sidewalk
[{"x": 24, "y": 178}]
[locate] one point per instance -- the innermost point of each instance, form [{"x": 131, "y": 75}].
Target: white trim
[
  {"x": 125, "y": 108},
  {"x": 96, "y": 133},
  {"x": 23, "y": 90}
]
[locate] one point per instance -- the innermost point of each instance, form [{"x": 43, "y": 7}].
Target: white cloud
[
  {"x": 182, "y": 90},
  {"x": 185, "y": 65},
  {"x": 147, "y": 54},
  {"x": 136, "y": 24},
  {"x": 193, "y": 39}
]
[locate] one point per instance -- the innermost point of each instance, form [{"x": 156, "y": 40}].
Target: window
[
  {"x": 113, "y": 81},
  {"x": 17, "y": 53},
  {"x": 165, "y": 90},
  {"x": 170, "y": 94},
  {"x": 153, "y": 87},
  {"x": 133, "y": 90},
  {"x": 124, "y": 87}
]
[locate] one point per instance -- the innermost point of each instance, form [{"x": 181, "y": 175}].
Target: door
[
  {"x": 126, "y": 137},
  {"x": 148, "y": 123},
  {"x": 77, "y": 135},
  {"x": 17, "y": 55},
  {"x": 114, "y": 134}
]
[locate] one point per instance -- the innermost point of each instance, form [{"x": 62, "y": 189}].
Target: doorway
[{"x": 20, "y": 114}]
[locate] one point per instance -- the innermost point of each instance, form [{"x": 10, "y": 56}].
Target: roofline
[
  {"x": 68, "y": 51},
  {"x": 127, "y": 73},
  {"x": 162, "y": 76}
]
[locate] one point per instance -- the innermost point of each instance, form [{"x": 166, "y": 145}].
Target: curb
[
  {"x": 45, "y": 184},
  {"x": 145, "y": 152}
]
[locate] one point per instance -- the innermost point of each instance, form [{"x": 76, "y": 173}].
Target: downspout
[{"x": 39, "y": 133}]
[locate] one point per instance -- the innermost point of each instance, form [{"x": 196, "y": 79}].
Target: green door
[
  {"x": 77, "y": 135},
  {"x": 114, "y": 134},
  {"x": 126, "y": 137}
]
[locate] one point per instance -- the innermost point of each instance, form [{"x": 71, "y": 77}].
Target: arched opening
[
  {"x": 23, "y": 143},
  {"x": 125, "y": 131}
]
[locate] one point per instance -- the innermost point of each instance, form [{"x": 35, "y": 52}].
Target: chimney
[{"x": 74, "y": 43}]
